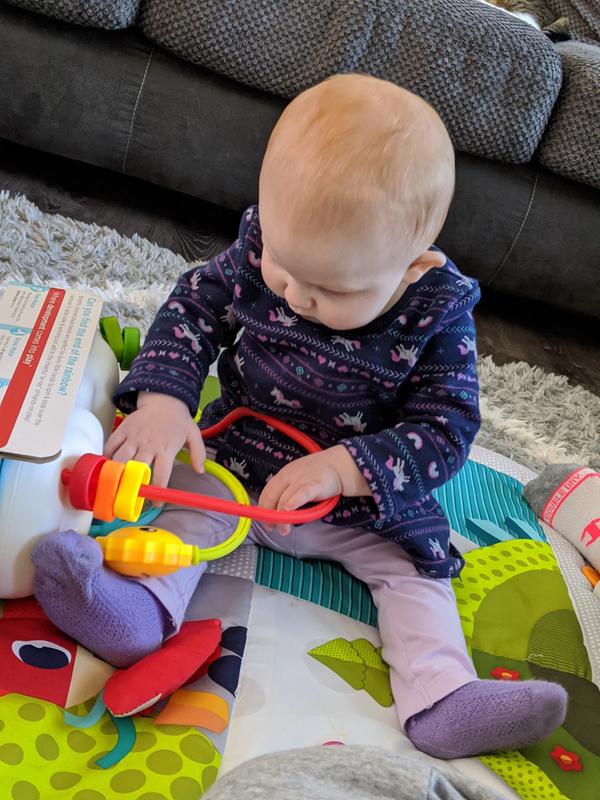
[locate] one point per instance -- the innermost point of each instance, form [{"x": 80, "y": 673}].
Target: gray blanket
[{"x": 346, "y": 773}]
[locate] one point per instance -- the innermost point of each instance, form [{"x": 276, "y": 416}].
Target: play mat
[{"x": 299, "y": 664}]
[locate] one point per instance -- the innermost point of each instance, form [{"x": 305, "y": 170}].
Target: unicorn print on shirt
[
  {"x": 349, "y": 344},
  {"x": 279, "y": 398},
  {"x": 183, "y": 331},
  {"x": 279, "y": 315},
  {"x": 355, "y": 422},
  {"x": 402, "y": 353},
  {"x": 400, "y": 478}
]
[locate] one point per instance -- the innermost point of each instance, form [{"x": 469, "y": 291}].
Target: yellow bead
[
  {"x": 145, "y": 551},
  {"x": 128, "y": 505}
]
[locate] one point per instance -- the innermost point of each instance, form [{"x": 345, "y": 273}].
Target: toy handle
[{"x": 242, "y": 411}]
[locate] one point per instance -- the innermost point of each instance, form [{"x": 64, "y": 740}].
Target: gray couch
[{"x": 184, "y": 93}]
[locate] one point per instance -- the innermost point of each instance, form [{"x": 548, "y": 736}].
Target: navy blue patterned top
[{"x": 401, "y": 393}]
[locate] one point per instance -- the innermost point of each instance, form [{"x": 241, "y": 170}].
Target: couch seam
[
  {"x": 135, "y": 110},
  {"x": 518, "y": 233}
]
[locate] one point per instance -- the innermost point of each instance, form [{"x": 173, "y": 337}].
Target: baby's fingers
[
  {"x": 161, "y": 471},
  {"x": 114, "y": 441},
  {"x": 296, "y": 496},
  {"x": 196, "y": 450}
]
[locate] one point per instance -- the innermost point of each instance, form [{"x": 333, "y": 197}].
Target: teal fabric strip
[
  {"x": 125, "y": 741},
  {"x": 322, "y": 582},
  {"x": 90, "y": 718}
]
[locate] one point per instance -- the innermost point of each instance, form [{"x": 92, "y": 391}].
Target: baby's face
[{"x": 334, "y": 282}]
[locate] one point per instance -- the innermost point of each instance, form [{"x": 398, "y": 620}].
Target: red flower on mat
[
  {"x": 504, "y": 674},
  {"x": 569, "y": 762}
]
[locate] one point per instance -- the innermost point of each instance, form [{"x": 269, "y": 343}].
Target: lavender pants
[{"x": 418, "y": 620}]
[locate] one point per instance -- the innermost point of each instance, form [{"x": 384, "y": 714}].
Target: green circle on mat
[
  {"x": 11, "y": 753},
  {"x": 144, "y": 741},
  {"x": 127, "y": 781},
  {"x": 23, "y": 790},
  {"x": 164, "y": 762},
  {"x": 46, "y": 746},
  {"x": 92, "y": 762},
  {"x": 171, "y": 730},
  {"x": 1, "y": 725},
  {"x": 197, "y": 748},
  {"x": 131, "y": 346},
  {"x": 64, "y": 780},
  {"x": 80, "y": 742},
  {"x": 209, "y": 776},
  {"x": 151, "y": 796},
  {"x": 89, "y": 794},
  {"x": 111, "y": 331},
  {"x": 184, "y": 788},
  {"x": 32, "y": 712},
  {"x": 107, "y": 727}
]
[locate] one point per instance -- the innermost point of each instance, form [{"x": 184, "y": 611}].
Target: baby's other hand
[
  {"x": 315, "y": 477},
  {"x": 155, "y": 433}
]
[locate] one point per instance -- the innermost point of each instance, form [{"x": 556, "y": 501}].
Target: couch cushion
[
  {"x": 584, "y": 17},
  {"x": 93, "y": 13},
  {"x": 492, "y": 78},
  {"x": 571, "y": 144}
]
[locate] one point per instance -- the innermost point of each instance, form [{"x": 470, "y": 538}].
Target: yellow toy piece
[
  {"x": 146, "y": 551},
  {"x": 128, "y": 505}
]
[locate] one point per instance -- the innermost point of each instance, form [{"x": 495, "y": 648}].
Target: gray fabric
[
  {"x": 493, "y": 80},
  {"x": 538, "y": 491},
  {"x": 584, "y": 17},
  {"x": 346, "y": 773},
  {"x": 93, "y": 13},
  {"x": 571, "y": 143}
]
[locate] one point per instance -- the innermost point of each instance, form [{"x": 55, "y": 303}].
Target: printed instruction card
[{"x": 45, "y": 339}]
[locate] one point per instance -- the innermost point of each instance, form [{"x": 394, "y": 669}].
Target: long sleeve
[
  {"x": 438, "y": 418},
  {"x": 187, "y": 334}
]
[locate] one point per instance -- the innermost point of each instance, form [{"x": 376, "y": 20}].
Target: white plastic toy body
[{"x": 32, "y": 498}]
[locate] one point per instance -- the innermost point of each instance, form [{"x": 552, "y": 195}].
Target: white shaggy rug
[{"x": 531, "y": 416}]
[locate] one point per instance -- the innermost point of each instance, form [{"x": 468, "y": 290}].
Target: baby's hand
[
  {"x": 315, "y": 477},
  {"x": 155, "y": 433}
]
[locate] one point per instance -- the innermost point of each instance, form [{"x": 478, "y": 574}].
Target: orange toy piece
[
  {"x": 146, "y": 551},
  {"x": 106, "y": 490}
]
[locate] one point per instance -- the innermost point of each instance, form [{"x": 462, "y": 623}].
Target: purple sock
[
  {"x": 488, "y": 716},
  {"x": 116, "y": 618}
]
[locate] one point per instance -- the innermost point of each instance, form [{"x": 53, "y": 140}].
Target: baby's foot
[
  {"x": 487, "y": 716},
  {"x": 114, "y": 617}
]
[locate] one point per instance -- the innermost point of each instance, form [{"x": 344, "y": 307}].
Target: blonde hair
[{"x": 365, "y": 155}]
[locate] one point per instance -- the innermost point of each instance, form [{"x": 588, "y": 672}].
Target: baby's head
[{"x": 354, "y": 188}]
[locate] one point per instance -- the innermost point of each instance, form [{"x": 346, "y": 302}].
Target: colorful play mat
[{"x": 299, "y": 664}]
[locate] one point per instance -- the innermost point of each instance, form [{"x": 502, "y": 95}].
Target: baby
[{"x": 338, "y": 315}]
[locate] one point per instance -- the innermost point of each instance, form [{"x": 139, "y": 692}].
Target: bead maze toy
[
  {"x": 70, "y": 490},
  {"x": 110, "y": 490}
]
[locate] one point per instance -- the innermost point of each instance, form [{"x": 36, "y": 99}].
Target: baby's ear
[{"x": 426, "y": 261}]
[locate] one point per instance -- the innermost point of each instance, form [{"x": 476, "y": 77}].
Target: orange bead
[{"x": 106, "y": 491}]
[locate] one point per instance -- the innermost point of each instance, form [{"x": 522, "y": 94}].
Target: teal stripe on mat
[{"x": 322, "y": 582}]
